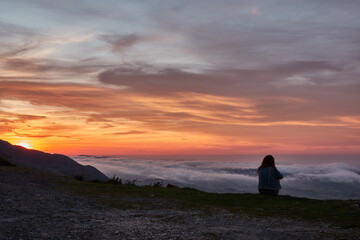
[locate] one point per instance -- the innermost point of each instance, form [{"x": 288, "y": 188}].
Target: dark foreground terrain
[{"x": 35, "y": 205}]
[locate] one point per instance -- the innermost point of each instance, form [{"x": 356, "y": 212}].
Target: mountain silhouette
[{"x": 52, "y": 163}]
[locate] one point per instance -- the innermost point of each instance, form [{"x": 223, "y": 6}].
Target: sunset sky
[{"x": 181, "y": 77}]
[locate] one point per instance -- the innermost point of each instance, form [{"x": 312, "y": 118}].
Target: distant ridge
[{"x": 52, "y": 163}]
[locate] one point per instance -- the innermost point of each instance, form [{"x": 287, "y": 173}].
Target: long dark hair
[{"x": 268, "y": 161}]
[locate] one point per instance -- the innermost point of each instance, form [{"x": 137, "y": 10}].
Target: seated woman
[{"x": 269, "y": 177}]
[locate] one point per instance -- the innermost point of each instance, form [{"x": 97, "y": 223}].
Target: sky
[{"x": 181, "y": 77}]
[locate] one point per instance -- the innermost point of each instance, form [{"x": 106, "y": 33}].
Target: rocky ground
[{"x": 32, "y": 207}]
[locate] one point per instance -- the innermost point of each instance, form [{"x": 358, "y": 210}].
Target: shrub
[
  {"x": 157, "y": 184},
  {"x": 129, "y": 182},
  {"x": 115, "y": 180},
  {"x": 79, "y": 177},
  {"x": 4, "y": 162}
]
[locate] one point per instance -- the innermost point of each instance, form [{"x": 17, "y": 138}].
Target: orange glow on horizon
[
  {"x": 136, "y": 124},
  {"x": 24, "y": 144}
]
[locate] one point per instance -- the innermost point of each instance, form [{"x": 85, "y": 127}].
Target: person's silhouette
[{"x": 269, "y": 177}]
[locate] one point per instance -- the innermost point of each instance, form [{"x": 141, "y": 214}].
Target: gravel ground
[{"x": 33, "y": 208}]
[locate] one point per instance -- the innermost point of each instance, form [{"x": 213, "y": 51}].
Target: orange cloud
[{"x": 73, "y": 118}]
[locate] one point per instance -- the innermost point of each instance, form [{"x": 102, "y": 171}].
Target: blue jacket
[{"x": 269, "y": 178}]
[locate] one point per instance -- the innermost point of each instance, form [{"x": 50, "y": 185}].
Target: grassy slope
[{"x": 339, "y": 213}]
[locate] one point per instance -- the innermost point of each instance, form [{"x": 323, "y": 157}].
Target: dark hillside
[{"x": 53, "y": 163}]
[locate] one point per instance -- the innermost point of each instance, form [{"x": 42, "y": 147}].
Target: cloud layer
[{"x": 322, "y": 181}]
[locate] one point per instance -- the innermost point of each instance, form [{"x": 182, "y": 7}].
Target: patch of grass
[{"x": 340, "y": 213}]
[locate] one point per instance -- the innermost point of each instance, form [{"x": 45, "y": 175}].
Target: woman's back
[{"x": 269, "y": 178}]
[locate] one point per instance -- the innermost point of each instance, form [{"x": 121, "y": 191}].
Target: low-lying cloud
[{"x": 321, "y": 181}]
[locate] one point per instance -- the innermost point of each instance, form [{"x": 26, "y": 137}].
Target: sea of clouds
[{"x": 336, "y": 180}]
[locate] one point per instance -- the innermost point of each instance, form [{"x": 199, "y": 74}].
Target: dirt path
[{"x": 33, "y": 208}]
